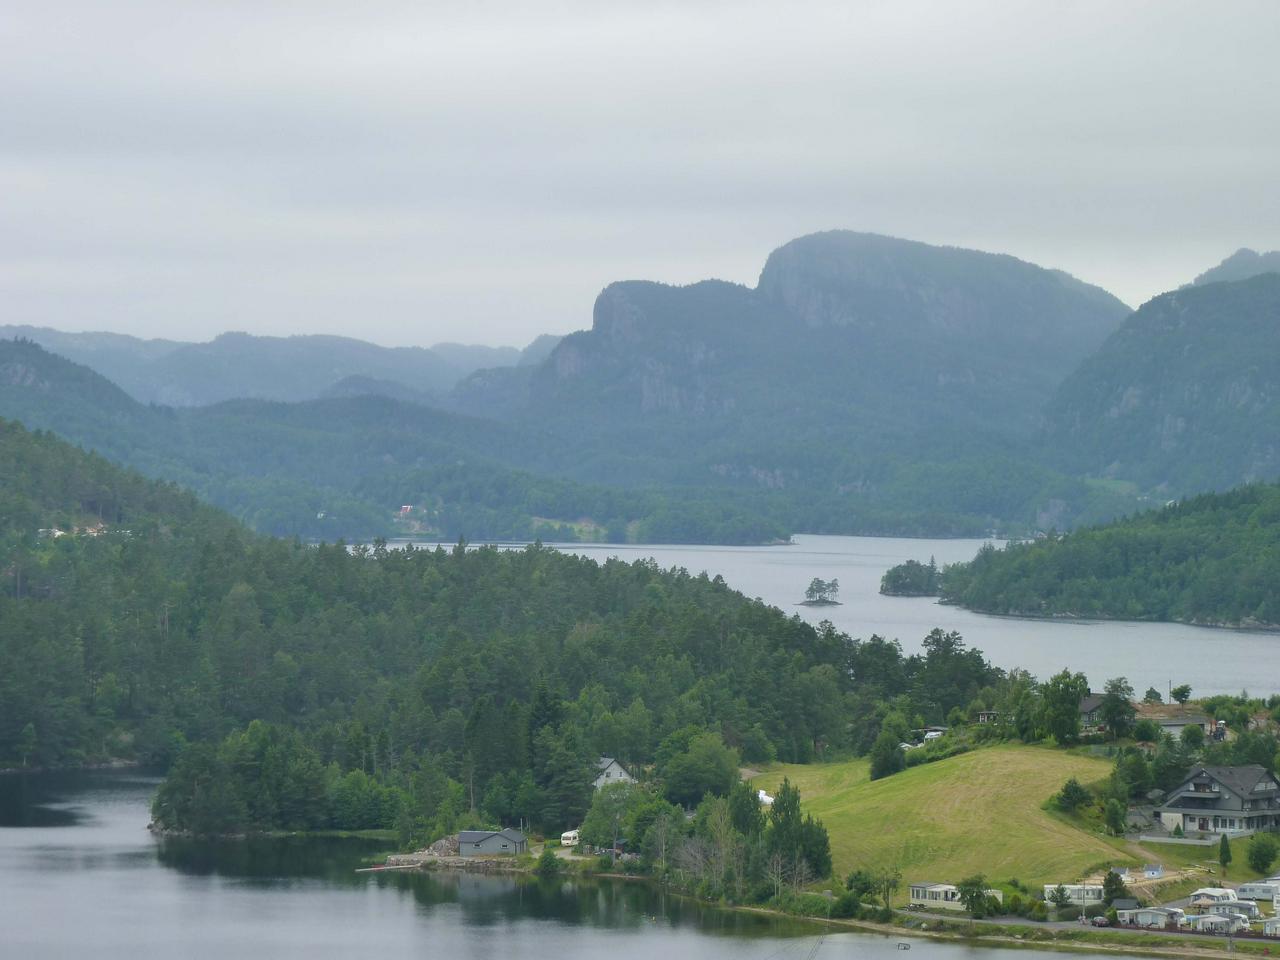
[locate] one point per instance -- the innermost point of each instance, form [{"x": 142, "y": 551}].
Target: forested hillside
[
  {"x": 1184, "y": 397},
  {"x": 441, "y": 682},
  {"x": 341, "y": 467},
  {"x": 1213, "y": 559}
]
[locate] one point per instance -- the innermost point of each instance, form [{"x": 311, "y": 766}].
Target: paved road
[{"x": 1072, "y": 925}]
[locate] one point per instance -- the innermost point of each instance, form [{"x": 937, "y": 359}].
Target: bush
[
  {"x": 1072, "y": 795},
  {"x": 1069, "y": 912},
  {"x": 846, "y": 906},
  {"x": 549, "y": 865},
  {"x": 1038, "y": 912},
  {"x": 1095, "y": 910},
  {"x": 1263, "y": 849},
  {"x": 805, "y": 904}
]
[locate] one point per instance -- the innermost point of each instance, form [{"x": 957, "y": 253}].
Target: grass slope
[{"x": 979, "y": 812}]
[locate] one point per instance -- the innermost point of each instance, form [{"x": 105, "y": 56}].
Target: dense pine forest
[
  {"x": 295, "y": 684},
  {"x": 1212, "y": 559}
]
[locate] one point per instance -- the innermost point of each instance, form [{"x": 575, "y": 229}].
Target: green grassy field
[{"x": 980, "y": 812}]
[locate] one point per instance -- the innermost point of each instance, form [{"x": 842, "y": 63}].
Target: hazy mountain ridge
[
  {"x": 856, "y": 356},
  {"x": 342, "y": 466},
  {"x": 1184, "y": 396},
  {"x": 831, "y": 312},
  {"x": 1241, "y": 265},
  {"x": 866, "y": 385},
  {"x": 238, "y": 365}
]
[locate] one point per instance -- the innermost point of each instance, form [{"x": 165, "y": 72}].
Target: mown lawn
[{"x": 980, "y": 812}]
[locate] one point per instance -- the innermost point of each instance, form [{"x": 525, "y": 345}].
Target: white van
[{"x": 569, "y": 838}]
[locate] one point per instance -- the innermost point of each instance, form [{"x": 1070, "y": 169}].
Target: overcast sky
[{"x": 410, "y": 173}]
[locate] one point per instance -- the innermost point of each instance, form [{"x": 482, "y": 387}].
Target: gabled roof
[
  {"x": 1239, "y": 780},
  {"x": 1125, "y": 903},
  {"x": 1091, "y": 702},
  {"x": 478, "y": 836},
  {"x": 604, "y": 762}
]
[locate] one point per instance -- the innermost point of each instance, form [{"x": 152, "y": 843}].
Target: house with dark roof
[
  {"x": 1231, "y": 800},
  {"x": 479, "y": 843},
  {"x": 1091, "y": 714}
]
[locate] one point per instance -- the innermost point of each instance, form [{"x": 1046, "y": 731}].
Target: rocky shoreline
[{"x": 427, "y": 861}]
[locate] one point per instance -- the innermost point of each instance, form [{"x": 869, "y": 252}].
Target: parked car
[{"x": 1101, "y": 922}]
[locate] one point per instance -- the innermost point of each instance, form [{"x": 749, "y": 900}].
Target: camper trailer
[{"x": 1262, "y": 890}]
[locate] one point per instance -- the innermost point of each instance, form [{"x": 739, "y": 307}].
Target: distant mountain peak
[{"x": 1241, "y": 265}]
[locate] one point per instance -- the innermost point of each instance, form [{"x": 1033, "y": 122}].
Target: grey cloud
[{"x": 422, "y": 172}]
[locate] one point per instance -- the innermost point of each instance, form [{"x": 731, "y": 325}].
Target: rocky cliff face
[{"x": 848, "y": 316}]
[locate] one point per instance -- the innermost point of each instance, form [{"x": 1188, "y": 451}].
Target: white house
[
  {"x": 1271, "y": 928},
  {"x": 609, "y": 770},
  {"x": 1081, "y": 894},
  {"x": 1153, "y": 871},
  {"x": 942, "y": 896}
]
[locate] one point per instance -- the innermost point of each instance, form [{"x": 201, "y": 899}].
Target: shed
[{"x": 479, "y": 843}]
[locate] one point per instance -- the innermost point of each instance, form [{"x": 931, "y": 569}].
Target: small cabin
[{"x": 480, "y": 843}]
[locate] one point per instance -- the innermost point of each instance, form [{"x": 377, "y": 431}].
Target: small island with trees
[
  {"x": 821, "y": 593},
  {"x": 912, "y": 579}
]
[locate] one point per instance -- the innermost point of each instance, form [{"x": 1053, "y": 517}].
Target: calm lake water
[
  {"x": 81, "y": 877},
  {"x": 1149, "y": 654}
]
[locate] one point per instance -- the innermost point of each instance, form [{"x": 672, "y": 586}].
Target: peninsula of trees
[{"x": 1213, "y": 559}]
